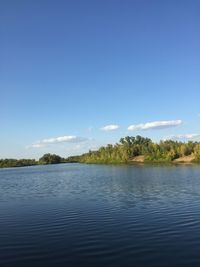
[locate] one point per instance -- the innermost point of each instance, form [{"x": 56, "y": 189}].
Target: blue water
[{"x": 97, "y": 215}]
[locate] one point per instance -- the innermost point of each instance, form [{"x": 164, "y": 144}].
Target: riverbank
[
  {"x": 190, "y": 159},
  {"x": 130, "y": 149}
]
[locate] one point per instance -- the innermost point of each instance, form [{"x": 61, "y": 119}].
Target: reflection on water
[{"x": 97, "y": 215}]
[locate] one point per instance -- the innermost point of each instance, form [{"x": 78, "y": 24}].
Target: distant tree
[
  {"x": 50, "y": 159},
  {"x": 4, "y": 163}
]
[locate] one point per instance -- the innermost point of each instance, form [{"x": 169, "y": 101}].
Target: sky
[{"x": 76, "y": 75}]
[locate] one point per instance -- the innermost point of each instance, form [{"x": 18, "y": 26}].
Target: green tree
[{"x": 50, "y": 159}]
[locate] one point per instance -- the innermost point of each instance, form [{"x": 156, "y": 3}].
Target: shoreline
[{"x": 147, "y": 163}]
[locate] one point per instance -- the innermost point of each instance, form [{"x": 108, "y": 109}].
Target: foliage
[
  {"x": 50, "y": 159},
  {"x": 72, "y": 159},
  {"x": 197, "y": 152},
  {"x": 130, "y": 147},
  {"x": 4, "y": 163},
  {"x": 122, "y": 152},
  {"x": 45, "y": 159}
]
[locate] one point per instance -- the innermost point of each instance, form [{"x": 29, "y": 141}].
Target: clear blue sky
[{"x": 69, "y": 68}]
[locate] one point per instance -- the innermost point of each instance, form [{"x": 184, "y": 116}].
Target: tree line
[
  {"x": 122, "y": 152},
  {"x": 130, "y": 147},
  {"x": 44, "y": 160}
]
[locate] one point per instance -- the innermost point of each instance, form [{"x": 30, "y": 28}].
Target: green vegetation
[
  {"x": 197, "y": 152},
  {"x": 5, "y": 163},
  {"x": 44, "y": 160},
  {"x": 50, "y": 159},
  {"x": 130, "y": 147},
  {"x": 73, "y": 159}
]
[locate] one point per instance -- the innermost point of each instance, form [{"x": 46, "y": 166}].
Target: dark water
[{"x": 90, "y": 215}]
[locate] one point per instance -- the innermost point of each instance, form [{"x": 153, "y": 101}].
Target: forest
[{"x": 127, "y": 150}]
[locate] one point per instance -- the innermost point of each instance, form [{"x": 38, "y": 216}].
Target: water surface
[{"x": 96, "y": 215}]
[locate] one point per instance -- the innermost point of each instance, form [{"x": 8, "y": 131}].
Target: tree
[
  {"x": 50, "y": 159},
  {"x": 197, "y": 152}
]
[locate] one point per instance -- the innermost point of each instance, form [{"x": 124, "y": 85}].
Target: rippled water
[{"x": 96, "y": 215}]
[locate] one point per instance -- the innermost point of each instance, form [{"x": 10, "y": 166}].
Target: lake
[{"x": 100, "y": 215}]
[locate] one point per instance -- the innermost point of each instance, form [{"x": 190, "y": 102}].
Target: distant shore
[
  {"x": 130, "y": 149},
  {"x": 138, "y": 161}
]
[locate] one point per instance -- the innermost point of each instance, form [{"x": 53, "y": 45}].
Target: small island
[{"x": 129, "y": 149}]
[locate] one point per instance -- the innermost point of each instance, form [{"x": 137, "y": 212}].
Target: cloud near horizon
[
  {"x": 111, "y": 127},
  {"x": 155, "y": 125},
  {"x": 184, "y": 136},
  {"x": 56, "y": 140}
]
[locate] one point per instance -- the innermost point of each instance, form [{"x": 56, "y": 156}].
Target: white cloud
[
  {"x": 111, "y": 127},
  {"x": 184, "y": 136},
  {"x": 36, "y": 145},
  {"x": 154, "y": 125},
  {"x": 66, "y": 138},
  {"x": 56, "y": 140}
]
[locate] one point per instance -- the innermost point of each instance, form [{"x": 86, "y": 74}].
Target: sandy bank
[{"x": 185, "y": 159}]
